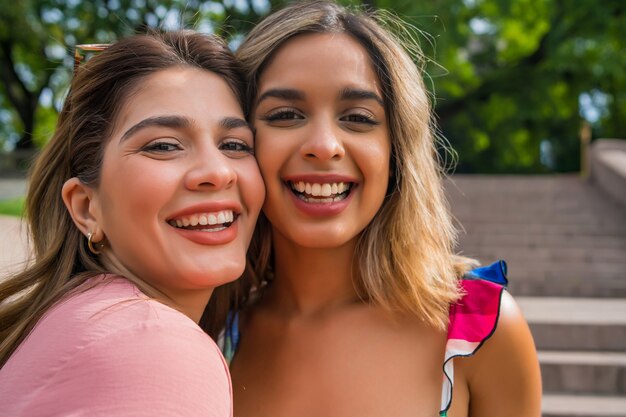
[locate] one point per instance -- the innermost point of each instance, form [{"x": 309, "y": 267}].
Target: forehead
[
  {"x": 195, "y": 93},
  {"x": 321, "y": 58}
]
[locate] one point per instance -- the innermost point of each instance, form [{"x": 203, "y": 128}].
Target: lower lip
[
  {"x": 321, "y": 209},
  {"x": 210, "y": 238}
]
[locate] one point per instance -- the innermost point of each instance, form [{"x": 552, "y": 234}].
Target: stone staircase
[{"x": 564, "y": 240}]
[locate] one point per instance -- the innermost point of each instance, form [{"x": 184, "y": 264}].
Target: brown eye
[
  {"x": 236, "y": 146},
  {"x": 161, "y": 147},
  {"x": 283, "y": 117},
  {"x": 360, "y": 118}
]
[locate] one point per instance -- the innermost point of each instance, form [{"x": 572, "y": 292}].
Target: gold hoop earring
[{"x": 92, "y": 245}]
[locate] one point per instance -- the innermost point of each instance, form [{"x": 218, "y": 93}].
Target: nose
[
  {"x": 210, "y": 170},
  {"x": 323, "y": 143}
]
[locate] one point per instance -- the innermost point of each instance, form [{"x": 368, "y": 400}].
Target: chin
[
  {"x": 323, "y": 240},
  {"x": 217, "y": 273},
  {"x": 227, "y": 273}
]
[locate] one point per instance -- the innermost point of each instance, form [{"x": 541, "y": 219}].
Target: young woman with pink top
[
  {"x": 362, "y": 307},
  {"x": 142, "y": 203}
]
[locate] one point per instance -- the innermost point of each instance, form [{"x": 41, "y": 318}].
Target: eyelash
[
  {"x": 156, "y": 147},
  {"x": 363, "y": 118},
  {"x": 281, "y": 115},
  {"x": 291, "y": 115},
  {"x": 240, "y": 146},
  {"x": 229, "y": 146}
]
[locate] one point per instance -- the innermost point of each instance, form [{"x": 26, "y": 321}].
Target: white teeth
[
  {"x": 215, "y": 229},
  {"x": 320, "y": 190},
  {"x": 204, "y": 219},
  {"x": 321, "y": 200}
]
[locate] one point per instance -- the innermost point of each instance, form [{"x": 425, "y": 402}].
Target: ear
[{"x": 82, "y": 204}]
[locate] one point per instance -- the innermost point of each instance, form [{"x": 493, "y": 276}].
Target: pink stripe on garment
[{"x": 474, "y": 317}]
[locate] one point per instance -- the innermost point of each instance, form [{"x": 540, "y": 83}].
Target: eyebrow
[
  {"x": 360, "y": 94},
  {"x": 230, "y": 123},
  {"x": 345, "y": 94},
  {"x": 175, "y": 122},
  {"x": 179, "y": 122},
  {"x": 282, "y": 93}
]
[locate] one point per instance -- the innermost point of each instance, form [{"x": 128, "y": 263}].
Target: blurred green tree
[
  {"x": 37, "y": 39},
  {"x": 512, "y": 80}
]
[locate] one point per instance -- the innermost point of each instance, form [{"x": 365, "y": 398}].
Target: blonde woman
[
  {"x": 142, "y": 203},
  {"x": 362, "y": 300}
]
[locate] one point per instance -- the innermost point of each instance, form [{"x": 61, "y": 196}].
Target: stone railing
[{"x": 608, "y": 167}]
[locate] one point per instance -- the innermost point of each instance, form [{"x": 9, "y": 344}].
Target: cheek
[
  {"x": 252, "y": 185},
  {"x": 140, "y": 198},
  {"x": 269, "y": 165},
  {"x": 375, "y": 161}
]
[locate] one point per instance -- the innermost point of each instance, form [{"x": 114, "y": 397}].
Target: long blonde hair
[
  {"x": 62, "y": 260},
  {"x": 405, "y": 255}
]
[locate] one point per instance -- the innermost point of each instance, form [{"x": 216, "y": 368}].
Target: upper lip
[
  {"x": 211, "y": 207},
  {"x": 320, "y": 178}
]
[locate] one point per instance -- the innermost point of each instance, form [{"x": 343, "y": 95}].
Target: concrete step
[
  {"x": 547, "y": 284},
  {"x": 563, "y": 268},
  {"x": 553, "y": 272},
  {"x": 563, "y": 405},
  {"x": 560, "y": 235},
  {"x": 538, "y": 226},
  {"x": 581, "y": 255},
  {"x": 504, "y": 238},
  {"x": 576, "y": 324},
  {"x": 583, "y": 372}
]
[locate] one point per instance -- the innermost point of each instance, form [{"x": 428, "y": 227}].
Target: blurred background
[{"x": 530, "y": 94}]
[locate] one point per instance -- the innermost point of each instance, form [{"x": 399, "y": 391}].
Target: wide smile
[
  {"x": 321, "y": 193},
  {"x": 205, "y": 222}
]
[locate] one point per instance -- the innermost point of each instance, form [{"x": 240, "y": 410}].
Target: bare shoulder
[{"x": 503, "y": 378}]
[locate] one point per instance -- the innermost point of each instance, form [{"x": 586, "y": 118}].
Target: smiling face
[
  {"x": 322, "y": 140},
  {"x": 180, "y": 189}
]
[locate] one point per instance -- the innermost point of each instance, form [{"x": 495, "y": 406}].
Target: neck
[
  {"x": 312, "y": 280},
  {"x": 190, "y": 302}
]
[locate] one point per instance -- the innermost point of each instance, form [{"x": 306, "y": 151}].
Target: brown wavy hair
[{"x": 100, "y": 87}]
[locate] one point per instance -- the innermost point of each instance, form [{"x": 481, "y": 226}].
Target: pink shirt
[{"x": 111, "y": 351}]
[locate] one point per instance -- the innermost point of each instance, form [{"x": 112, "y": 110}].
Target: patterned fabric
[
  {"x": 473, "y": 319},
  {"x": 228, "y": 340}
]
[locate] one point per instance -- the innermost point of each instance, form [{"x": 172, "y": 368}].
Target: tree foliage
[
  {"x": 37, "y": 39},
  {"x": 512, "y": 79}
]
